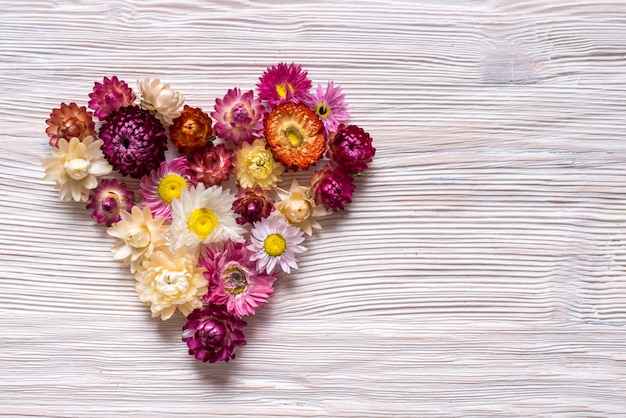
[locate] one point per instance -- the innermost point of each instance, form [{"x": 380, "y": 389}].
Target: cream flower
[
  {"x": 203, "y": 215},
  {"x": 159, "y": 97},
  {"x": 168, "y": 281},
  {"x": 298, "y": 207},
  {"x": 75, "y": 167},
  {"x": 139, "y": 235},
  {"x": 256, "y": 165}
]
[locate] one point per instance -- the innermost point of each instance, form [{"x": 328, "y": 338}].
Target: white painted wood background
[{"x": 480, "y": 271}]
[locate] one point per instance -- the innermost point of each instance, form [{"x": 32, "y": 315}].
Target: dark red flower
[
  {"x": 351, "y": 148},
  {"x": 332, "y": 187},
  {"x": 252, "y": 205}
]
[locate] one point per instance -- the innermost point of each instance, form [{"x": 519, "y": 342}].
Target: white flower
[
  {"x": 203, "y": 215},
  {"x": 298, "y": 207},
  {"x": 75, "y": 167},
  {"x": 275, "y": 243},
  {"x": 159, "y": 97}
]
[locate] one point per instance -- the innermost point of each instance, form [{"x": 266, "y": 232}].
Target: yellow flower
[
  {"x": 75, "y": 166},
  {"x": 138, "y": 236},
  {"x": 168, "y": 281},
  {"x": 298, "y": 207},
  {"x": 256, "y": 165},
  {"x": 159, "y": 97}
]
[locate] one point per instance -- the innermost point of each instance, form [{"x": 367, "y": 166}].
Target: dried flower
[
  {"x": 160, "y": 98},
  {"x": 69, "y": 121},
  {"x": 211, "y": 164},
  {"x": 109, "y": 96},
  {"x": 134, "y": 141},
  {"x": 255, "y": 165},
  {"x": 252, "y": 205},
  {"x": 351, "y": 148},
  {"x": 159, "y": 188},
  {"x": 238, "y": 116},
  {"x": 75, "y": 166},
  {"x": 298, "y": 207},
  {"x": 191, "y": 130},
  {"x": 295, "y": 134},
  {"x": 329, "y": 106},
  {"x": 212, "y": 334},
  {"x": 274, "y": 244},
  {"x": 284, "y": 83},
  {"x": 108, "y": 200},
  {"x": 332, "y": 187}
]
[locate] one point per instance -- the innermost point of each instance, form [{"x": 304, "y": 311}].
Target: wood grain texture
[{"x": 479, "y": 272}]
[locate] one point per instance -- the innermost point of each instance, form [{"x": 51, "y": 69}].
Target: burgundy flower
[
  {"x": 134, "y": 141},
  {"x": 351, "y": 148},
  {"x": 109, "y": 199},
  {"x": 212, "y": 334},
  {"x": 109, "y": 96},
  {"x": 252, "y": 205},
  {"x": 211, "y": 164},
  {"x": 332, "y": 187}
]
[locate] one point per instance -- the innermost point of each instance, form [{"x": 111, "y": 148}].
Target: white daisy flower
[{"x": 274, "y": 243}]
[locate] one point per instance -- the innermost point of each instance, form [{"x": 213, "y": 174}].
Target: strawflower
[
  {"x": 252, "y": 205},
  {"x": 330, "y": 106},
  {"x": 191, "y": 130},
  {"x": 275, "y": 244},
  {"x": 169, "y": 281},
  {"x": 332, "y": 187},
  {"x": 234, "y": 280},
  {"x": 211, "y": 164},
  {"x": 238, "y": 116},
  {"x": 255, "y": 165},
  {"x": 75, "y": 166},
  {"x": 108, "y": 200},
  {"x": 109, "y": 96},
  {"x": 351, "y": 148},
  {"x": 212, "y": 334},
  {"x": 160, "y": 98},
  {"x": 298, "y": 207},
  {"x": 159, "y": 188},
  {"x": 134, "y": 141},
  {"x": 295, "y": 134},
  {"x": 138, "y": 234},
  {"x": 284, "y": 83},
  {"x": 69, "y": 121}
]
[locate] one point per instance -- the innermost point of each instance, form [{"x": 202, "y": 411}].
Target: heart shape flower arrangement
[{"x": 191, "y": 244}]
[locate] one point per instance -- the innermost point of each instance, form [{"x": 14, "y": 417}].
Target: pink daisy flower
[
  {"x": 165, "y": 184},
  {"x": 284, "y": 83},
  {"x": 274, "y": 243},
  {"x": 108, "y": 200},
  {"x": 109, "y": 96},
  {"x": 234, "y": 280},
  {"x": 238, "y": 116},
  {"x": 330, "y": 106}
]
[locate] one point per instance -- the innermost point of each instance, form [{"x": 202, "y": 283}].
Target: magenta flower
[
  {"x": 212, "y": 334},
  {"x": 108, "y": 199},
  {"x": 329, "y": 106},
  {"x": 234, "y": 280},
  {"x": 211, "y": 164},
  {"x": 252, "y": 205},
  {"x": 332, "y": 187},
  {"x": 109, "y": 96},
  {"x": 134, "y": 141},
  {"x": 165, "y": 184},
  {"x": 238, "y": 116},
  {"x": 284, "y": 83},
  {"x": 351, "y": 148}
]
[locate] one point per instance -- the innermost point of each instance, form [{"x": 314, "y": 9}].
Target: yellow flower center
[
  {"x": 171, "y": 283},
  {"x": 281, "y": 89},
  {"x": 323, "y": 110},
  {"x": 235, "y": 279},
  {"x": 202, "y": 222},
  {"x": 77, "y": 168},
  {"x": 294, "y": 136},
  {"x": 170, "y": 187},
  {"x": 274, "y": 245},
  {"x": 260, "y": 166},
  {"x": 138, "y": 237}
]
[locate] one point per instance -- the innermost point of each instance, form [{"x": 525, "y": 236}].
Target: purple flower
[
  {"x": 134, "y": 141},
  {"x": 238, "y": 116},
  {"x": 330, "y": 106},
  {"x": 252, "y": 205},
  {"x": 332, "y": 187},
  {"x": 212, "y": 334},
  {"x": 108, "y": 200},
  {"x": 109, "y": 96},
  {"x": 351, "y": 148}
]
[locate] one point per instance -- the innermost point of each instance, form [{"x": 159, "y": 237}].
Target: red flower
[
  {"x": 69, "y": 121},
  {"x": 191, "y": 130}
]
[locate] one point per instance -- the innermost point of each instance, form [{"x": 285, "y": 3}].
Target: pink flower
[
  {"x": 234, "y": 280},
  {"x": 163, "y": 185},
  {"x": 211, "y": 164},
  {"x": 351, "y": 148},
  {"x": 284, "y": 83},
  {"x": 329, "y": 106},
  {"x": 238, "y": 116},
  {"x": 109, "y": 96},
  {"x": 108, "y": 200},
  {"x": 252, "y": 205},
  {"x": 332, "y": 187},
  {"x": 212, "y": 334}
]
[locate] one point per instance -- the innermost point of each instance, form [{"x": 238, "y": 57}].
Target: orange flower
[
  {"x": 295, "y": 135},
  {"x": 70, "y": 121},
  {"x": 191, "y": 130}
]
